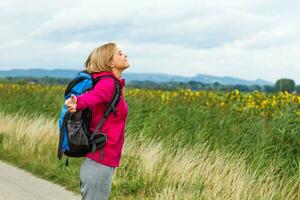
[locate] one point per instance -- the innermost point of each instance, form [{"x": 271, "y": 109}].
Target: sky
[{"x": 248, "y": 39}]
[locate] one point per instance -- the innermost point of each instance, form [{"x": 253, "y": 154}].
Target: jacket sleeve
[{"x": 101, "y": 93}]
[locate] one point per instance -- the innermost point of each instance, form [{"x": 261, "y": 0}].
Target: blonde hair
[{"x": 100, "y": 58}]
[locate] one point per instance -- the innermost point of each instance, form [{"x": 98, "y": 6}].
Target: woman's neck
[{"x": 117, "y": 73}]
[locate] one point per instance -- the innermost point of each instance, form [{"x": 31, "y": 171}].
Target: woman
[{"x": 95, "y": 172}]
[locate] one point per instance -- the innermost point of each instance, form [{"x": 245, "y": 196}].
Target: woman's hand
[{"x": 71, "y": 103}]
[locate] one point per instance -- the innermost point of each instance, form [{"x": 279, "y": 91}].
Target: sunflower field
[{"x": 226, "y": 145}]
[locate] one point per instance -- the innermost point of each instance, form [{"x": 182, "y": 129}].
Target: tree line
[{"x": 280, "y": 85}]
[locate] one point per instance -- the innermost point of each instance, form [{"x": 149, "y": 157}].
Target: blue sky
[{"x": 249, "y": 39}]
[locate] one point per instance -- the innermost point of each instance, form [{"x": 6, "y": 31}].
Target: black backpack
[{"x": 75, "y": 138}]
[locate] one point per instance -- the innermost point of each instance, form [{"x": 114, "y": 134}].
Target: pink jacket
[{"x": 114, "y": 126}]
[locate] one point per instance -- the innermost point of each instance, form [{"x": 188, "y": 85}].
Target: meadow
[{"x": 179, "y": 144}]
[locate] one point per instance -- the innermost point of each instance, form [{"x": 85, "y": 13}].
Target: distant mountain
[
  {"x": 156, "y": 77},
  {"x": 58, "y": 73},
  {"x": 226, "y": 80}
]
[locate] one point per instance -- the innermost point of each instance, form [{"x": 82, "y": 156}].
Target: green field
[{"x": 179, "y": 144}]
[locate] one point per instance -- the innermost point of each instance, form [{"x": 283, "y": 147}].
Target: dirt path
[{"x": 17, "y": 184}]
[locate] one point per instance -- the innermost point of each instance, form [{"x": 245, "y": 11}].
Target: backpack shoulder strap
[
  {"x": 116, "y": 95},
  {"x": 112, "y": 105}
]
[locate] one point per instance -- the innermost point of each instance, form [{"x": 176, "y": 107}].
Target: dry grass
[{"x": 186, "y": 174}]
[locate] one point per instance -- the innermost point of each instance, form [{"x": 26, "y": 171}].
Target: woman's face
[{"x": 120, "y": 60}]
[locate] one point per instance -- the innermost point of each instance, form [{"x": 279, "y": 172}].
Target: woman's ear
[{"x": 112, "y": 64}]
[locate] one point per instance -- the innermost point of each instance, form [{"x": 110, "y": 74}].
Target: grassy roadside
[
  {"x": 149, "y": 170},
  {"x": 247, "y": 124},
  {"x": 238, "y": 146}
]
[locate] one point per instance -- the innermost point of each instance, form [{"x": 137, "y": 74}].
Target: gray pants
[{"x": 95, "y": 180}]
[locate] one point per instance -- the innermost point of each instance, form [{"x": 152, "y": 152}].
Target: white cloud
[
  {"x": 225, "y": 61},
  {"x": 247, "y": 39}
]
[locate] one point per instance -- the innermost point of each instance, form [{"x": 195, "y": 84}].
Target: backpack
[{"x": 75, "y": 139}]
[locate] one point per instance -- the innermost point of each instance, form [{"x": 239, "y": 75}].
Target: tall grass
[
  {"x": 149, "y": 170},
  {"x": 264, "y": 142},
  {"x": 175, "y": 148}
]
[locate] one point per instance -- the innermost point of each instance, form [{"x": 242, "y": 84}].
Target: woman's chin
[{"x": 126, "y": 66}]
